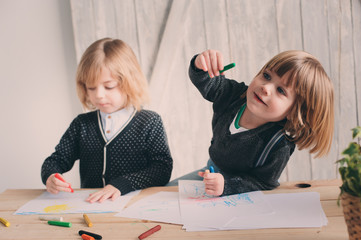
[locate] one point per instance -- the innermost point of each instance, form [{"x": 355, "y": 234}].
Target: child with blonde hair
[
  {"x": 256, "y": 127},
  {"x": 120, "y": 146}
]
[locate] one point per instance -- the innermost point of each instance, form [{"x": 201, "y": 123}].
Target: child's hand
[
  {"x": 107, "y": 192},
  {"x": 55, "y": 185},
  {"x": 214, "y": 182},
  {"x": 210, "y": 61}
]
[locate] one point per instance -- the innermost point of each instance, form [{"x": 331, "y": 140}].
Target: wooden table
[{"x": 110, "y": 227}]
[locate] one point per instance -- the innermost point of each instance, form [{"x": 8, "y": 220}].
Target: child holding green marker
[{"x": 256, "y": 128}]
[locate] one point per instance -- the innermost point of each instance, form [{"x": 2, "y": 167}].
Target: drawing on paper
[
  {"x": 56, "y": 208},
  {"x": 196, "y": 192},
  {"x": 64, "y": 202}
]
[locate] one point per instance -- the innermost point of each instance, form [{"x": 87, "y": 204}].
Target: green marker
[
  {"x": 58, "y": 223},
  {"x": 227, "y": 67}
]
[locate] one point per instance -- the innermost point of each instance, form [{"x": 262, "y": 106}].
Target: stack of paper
[{"x": 199, "y": 212}]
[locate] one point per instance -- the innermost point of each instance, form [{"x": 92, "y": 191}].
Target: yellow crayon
[
  {"x": 87, "y": 220},
  {"x": 5, "y": 222}
]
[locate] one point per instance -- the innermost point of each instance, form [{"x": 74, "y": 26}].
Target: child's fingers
[
  {"x": 203, "y": 63},
  {"x": 207, "y": 59},
  {"x": 60, "y": 183},
  {"x": 116, "y": 195},
  {"x": 52, "y": 190},
  {"x": 104, "y": 197},
  {"x": 93, "y": 197},
  {"x": 214, "y": 63},
  {"x": 212, "y": 192},
  {"x": 209, "y": 186},
  {"x": 201, "y": 174},
  {"x": 209, "y": 176},
  {"x": 63, "y": 189},
  {"x": 220, "y": 60}
]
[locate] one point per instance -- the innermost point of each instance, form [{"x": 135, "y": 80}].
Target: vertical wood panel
[
  {"x": 356, "y": 24},
  {"x": 253, "y": 40},
  {"x": 348, "y": 115},
  {"x": 83, "y": 25},
  {"x": 169, "y": 44},
  {"x": 289, "y": 25},
  {"x": 122, "y": 13},
  {"x": 199, "y": 111},
  {"x": 290, "y": 37},
  {"x": 216, "y": 27},
  {"x": 315, "y": 32},
  {"x": 151, "y": 17},
  {"x": 334, "y": 28}
]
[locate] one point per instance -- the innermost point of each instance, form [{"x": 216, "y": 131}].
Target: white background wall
[{"x": 37, "y": 87}]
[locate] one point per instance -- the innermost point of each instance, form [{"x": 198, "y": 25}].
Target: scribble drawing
[
  {"x": 197, "y": 193},
  {"x": 56, "y": 208}
]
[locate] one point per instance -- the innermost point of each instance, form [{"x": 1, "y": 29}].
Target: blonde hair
[
  {"x": 310, "y": 123},
  {"x": 120, "y": 60}
]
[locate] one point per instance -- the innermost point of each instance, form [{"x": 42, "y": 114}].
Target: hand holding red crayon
[
  {"x": 56, "y": 183},
  {"x": 58, "y": 176}
]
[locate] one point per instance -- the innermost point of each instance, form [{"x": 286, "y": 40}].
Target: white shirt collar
[{"x": 112, "y": 122}]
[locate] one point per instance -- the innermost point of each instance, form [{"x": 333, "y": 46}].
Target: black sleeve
[{"x": 65, "y": 155}]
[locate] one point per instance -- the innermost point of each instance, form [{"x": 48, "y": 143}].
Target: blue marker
[{"x": 211, "y": 169}]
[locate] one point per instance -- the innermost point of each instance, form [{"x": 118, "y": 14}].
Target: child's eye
[
  {"x": 280, "y": 90},
  {"x": 90, "y": 88},
  {"x": 267, "y": 76},
  {"x": 110, "y": 87}
]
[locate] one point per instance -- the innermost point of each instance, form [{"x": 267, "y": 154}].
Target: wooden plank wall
[{"x": 165, "y": 34}]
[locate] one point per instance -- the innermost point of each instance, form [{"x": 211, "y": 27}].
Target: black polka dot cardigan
[{"x": 137, "y": 156}]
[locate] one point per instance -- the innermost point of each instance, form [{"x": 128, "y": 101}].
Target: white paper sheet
[
  {"x": 159, "y": 207},
  {"x": 292, "y": 210},
  {"x": 203, "y": 211},
  {"x": 64, "y": 202}
]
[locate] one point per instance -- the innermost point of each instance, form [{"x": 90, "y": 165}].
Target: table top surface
[{"x": 110, "y": 227}]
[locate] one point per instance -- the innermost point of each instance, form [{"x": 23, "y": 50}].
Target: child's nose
[
  {"x": 99, "y": 93},
  {"x": 265, "y": 89}
]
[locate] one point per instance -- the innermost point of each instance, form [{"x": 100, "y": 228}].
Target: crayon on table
[
  {"x": 87, "y": 220},
  {"x": 94, "y": 235},
  {"x": 57, "y": 175},
  {"x": 5, "y": 222},
  {"x": 51, "y": 218},
  {"x": 149, "y": 232},
  {"x": 227, "y": 67},
  {"x": 61, "y": 224},
  {"x": 87, "y": 237}
]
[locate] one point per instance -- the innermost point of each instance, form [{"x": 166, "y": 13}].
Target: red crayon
[
  {"x": 149, "y": 232},
  {"x": 57, "y": 175},
  {"x": 87, "y": 237}
]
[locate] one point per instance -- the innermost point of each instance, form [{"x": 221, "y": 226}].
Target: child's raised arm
[{"x": 210, "y": 61}]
